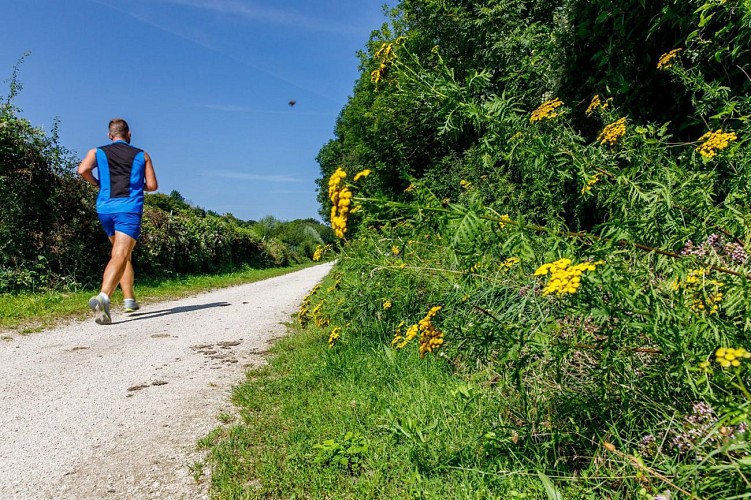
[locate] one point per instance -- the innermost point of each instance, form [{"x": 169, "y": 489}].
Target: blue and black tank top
[{"x": 121, "y": 178}]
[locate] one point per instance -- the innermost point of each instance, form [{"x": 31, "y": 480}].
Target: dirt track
[{"x": 89, "y": 411}]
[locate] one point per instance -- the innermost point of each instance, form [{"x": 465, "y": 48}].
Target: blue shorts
[{"x": 128, "y": 223}]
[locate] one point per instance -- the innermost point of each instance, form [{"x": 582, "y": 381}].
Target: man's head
[{"x": 119, "y": 130}]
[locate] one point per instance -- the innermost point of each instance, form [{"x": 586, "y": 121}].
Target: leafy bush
[{"x": 573, "y": 243}]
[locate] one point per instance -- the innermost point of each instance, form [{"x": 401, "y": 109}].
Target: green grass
[
  {"x": 26, "y": 313},
  {"x": 305, "y": 415}
]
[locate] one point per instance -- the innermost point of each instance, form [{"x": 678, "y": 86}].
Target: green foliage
[
  {"x": 50, "y": 237},
  {"x": 513, "y": 165},
  {"x": 348, "y": 453}
]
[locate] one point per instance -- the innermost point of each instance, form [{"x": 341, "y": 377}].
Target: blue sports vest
[{"x": 121, "y": 178}]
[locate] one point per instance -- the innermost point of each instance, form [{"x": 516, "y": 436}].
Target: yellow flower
[
  {"x": 666, "y": 60},
  {"x": 410, "y": 188},
  {"x": 334, "y": 336},
  {"x": 564, "y": 278},
  {"x": 509, "y": 263},
  {"x": 360, "y": 175},
  {"x": 612, "y": 132},
  {"x": 341, "y": 199},
  {"x": 596, "y": 104},
  {"x": 505, "y": 219},
  {"x": 395, "y": 250},
  {"x": 713, "y": 142},
  {"x": 387, "y": 304},
  {"x": 591, "y": 182},
  {"x": 729, "y": 356},
  {"x": 465, "y": 184},
  {"x": 318, "y": 253},
  {"x": 546, "y": 111}
]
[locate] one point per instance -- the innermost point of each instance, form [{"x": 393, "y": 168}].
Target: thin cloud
[
  {"x": 254, "y": 12},
  {"x": 200, "y": 38},
  {"x": 233, "y": 108},
  {"x": 227, "y": 174}
]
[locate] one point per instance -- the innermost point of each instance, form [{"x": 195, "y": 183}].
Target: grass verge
[
  {"x": 360, "y": 420},
  {"x": 27, "y": 313}
]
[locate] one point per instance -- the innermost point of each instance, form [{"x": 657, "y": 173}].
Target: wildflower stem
[{"x": 634, "y": 461}]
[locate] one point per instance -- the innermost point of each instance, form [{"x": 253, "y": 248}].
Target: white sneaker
[{"x": 130, "y": 305}]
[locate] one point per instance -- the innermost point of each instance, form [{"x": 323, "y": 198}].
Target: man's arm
[
  {"x": 87, "y": 165},
  {"x": 151, "y": 182}
]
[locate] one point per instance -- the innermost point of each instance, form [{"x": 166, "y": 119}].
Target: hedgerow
[{"x": 572, "y": 240}]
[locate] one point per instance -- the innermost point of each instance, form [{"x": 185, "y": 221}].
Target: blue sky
[{"x": 204, "y": 85}]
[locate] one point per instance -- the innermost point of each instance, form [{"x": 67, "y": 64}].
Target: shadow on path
[{"x": 166, "y": 312}]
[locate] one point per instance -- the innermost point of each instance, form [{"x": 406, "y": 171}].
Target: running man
[{"x": 124, "y": 173}]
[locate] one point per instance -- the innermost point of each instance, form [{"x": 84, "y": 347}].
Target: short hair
[{"x": 118, "y": 127}]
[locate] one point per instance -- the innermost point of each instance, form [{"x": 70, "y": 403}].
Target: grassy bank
[
  {"x": 26, "y": 313},
  {"x": 360, "y": 419},
  {"x": 322, "y": 423}
]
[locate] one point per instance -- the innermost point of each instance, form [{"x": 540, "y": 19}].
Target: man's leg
[
  {"x": 122, "y": 246},
  {"x": 126, "y": 282}
]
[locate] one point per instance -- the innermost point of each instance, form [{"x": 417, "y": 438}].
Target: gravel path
[{"x": 90, "y": 411}]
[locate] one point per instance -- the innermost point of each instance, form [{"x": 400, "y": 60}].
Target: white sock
[{"x": 104, "y": 296}]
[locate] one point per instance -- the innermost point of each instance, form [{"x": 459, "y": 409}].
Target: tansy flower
[
  {"x": 341, "y": 199},
  {"x": 318, "y": 253},
  {"x": 509, "y": 263},
  {"x": 729, "y": 356},
  {"x": 387, "y": 304},
  {"x": 546, "y": 111},
  {"x": 564, "y": 278},
  {"x": 334, "y": 336},
  {"x": 711, "y": 142},
  {"x": 596, "y": 104},
  {"x": 591, "y": 182},
  {"x": 612, "y": 132},
  {"x": 360, "y": 175},
  {"x": 505, "y": 219},
  {"x": 395, "y": 250},
  {"x": 666, "y": 60}
]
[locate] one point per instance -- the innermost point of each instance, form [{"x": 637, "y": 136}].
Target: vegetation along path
[{"x": 89, "y": 411}]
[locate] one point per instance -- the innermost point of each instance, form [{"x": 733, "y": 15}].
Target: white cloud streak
[
  {"x": 269, "y": 15},
  {"x": 244, "y": 176}
]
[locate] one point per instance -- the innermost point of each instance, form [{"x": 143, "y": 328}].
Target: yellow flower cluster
[
  {"x": 596, "y": 104},
  {"x": 666, "y": 60},
  {"x": 430, "y": 337},
  {"x": 612, "y": 132},
  {"x": 546, "y": 111},
  {"x": 318, "y": 253},
  {"x": 729, "y": 356},
  {"x": 395, "y": 250},
  {"x": 360, "y": 175},
  {"x": 387, "y": 304},
  {"x": 703, "y": 300},
  {"x": 386, "y": 55},
  {"x": 303, "y": 314},
  {"x": 509, "y": 263},
  {"x": 400, "y": 340},
  {"x": 590, "y": 182},
  {"x": 319, "y": 319},
  {"x": 565, "y": 278},
  {"x": 465, "y": 184},
  {"x": 341, "y": 199},
  {"x": 334, "y": 336},
  {"x": 410, "y": 188},
  {"x": 505, "y": 219},
  {"x": 713, "y": 142}
]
